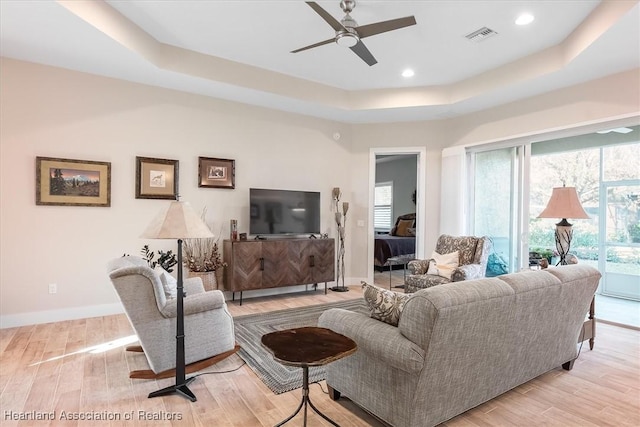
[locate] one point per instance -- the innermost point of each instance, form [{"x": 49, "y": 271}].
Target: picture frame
[
  {"x": 156, "y": 178},
  {"x": 71, "y": 182},
  {"x": 216, "y": 173}
]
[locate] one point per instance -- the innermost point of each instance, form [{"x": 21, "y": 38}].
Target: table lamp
[
  {"x": 564, "y": 203},
  {"x": 178, "y": 221}
]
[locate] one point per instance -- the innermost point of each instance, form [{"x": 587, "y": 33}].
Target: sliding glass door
[{"x": 494, "y": 203}]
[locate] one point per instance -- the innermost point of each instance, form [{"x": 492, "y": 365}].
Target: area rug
[{"x": 250, "y": 328}]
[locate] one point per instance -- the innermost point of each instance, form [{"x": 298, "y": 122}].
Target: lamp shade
[
  {"x": 564, "y": 203},
  {"x": 177, "y": 221}
]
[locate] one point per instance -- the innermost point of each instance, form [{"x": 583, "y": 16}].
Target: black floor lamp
[{"x": 178, "y": 221}]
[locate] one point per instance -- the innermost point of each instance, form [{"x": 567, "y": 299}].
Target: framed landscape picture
[
  {"x": 156, "y": 178},
  {"x": 68, "y": 182},
  {"x": 216, "y": 173}
]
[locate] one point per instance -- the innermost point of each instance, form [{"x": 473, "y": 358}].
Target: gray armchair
[
  {"x": 209, "y": 334},
  {"x": 473, "y": 253}
]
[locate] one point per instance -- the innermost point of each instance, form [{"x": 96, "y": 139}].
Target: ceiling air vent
[{"x": 481, "y": 34}]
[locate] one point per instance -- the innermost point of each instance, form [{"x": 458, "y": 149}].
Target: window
[{"x": 383, "y": 206}]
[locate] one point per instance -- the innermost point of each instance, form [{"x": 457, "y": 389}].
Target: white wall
[
  {"x": 57, "y": 113},
  {"x": 53, "y": 112}
]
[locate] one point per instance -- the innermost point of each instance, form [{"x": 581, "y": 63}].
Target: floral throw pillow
[
  {"x": 384, "y": 305},
  {"x": 443, "y": 265}
]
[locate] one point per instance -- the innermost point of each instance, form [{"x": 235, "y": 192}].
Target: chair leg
[{"x": 148, "y": 374}]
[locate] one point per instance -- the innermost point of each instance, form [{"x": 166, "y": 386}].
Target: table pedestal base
[{"x": 305, "y": 400}]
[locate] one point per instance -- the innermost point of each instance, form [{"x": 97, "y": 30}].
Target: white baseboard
[{"x": 48, "y": 316}]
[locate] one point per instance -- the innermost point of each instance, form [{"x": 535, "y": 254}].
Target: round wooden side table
[{"x": 304, "y": 347}]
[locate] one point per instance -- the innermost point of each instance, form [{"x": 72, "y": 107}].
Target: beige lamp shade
[
  {"x": 564, "y": 203},
  {"x": 177, "y": 221}
]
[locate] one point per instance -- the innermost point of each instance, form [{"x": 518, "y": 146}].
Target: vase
[{"x": 209, "y": 278}]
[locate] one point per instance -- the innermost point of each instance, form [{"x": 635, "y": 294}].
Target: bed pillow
[
  {"x": 169, "y": 283},
  {"x": 402, "y": 229},
  {"x": 443, "y": 265},
  {"x": 384, "y": 305}
]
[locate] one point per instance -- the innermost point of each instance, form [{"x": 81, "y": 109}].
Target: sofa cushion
[
  {"x": 384, "y": 305},
  {"x": 443, "y": 264},
  {"x": 169, "y": 283}
]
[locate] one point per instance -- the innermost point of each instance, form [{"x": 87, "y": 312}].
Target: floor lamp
[
  {"x": 564, "y": 203},
  {"x": 178, "y": 221}
]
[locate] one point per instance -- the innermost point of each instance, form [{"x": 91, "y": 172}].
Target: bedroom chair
[
  {"x": 209, "y": 334},
  {"x": 472, "y": 262}
]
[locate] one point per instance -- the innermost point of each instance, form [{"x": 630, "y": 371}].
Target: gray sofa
[{"x": 460, "y": 344}]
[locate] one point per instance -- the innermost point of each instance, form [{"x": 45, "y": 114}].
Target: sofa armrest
[
  {"x": 418, "y": 266},
  {"x": 376, "y": 338},
  {"x": 193, "y": 285},
  {"x": 468, "y": 272},
  {"x": 196, "y": 303}
]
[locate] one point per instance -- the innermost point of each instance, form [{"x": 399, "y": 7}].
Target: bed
[{"x": 400, "y": 242}]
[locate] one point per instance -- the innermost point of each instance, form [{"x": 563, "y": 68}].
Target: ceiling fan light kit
[
  {"x": 347, "y": 39},
  {"x": 350, "y": 34}
]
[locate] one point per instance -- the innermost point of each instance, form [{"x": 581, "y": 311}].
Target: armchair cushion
[
  {"x": 384, "y": 305},
  {"x": 169, "y": 283},
  {"x": 468, "y": 272},
  {"x": 443, "y": 264},
  {"x": 195, "y": 303}
]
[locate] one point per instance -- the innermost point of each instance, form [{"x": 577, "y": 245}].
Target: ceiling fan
[{"x": 349, "y": 34}]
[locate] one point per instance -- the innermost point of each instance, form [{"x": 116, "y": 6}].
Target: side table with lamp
[{"x": 564, "y": 203}]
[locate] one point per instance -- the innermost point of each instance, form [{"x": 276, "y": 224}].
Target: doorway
[{"x": 396, "y": 183}]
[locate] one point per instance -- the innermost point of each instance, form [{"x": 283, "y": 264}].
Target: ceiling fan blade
[
  {"x": 311, "y": 46},
  {"x": 361, "y": 50},
  {"x": 384, "y": 26},
  {"x": 335, "y": 24}
]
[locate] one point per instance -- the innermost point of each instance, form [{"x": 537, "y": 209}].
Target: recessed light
[
  {"x": 408, "y": 73},
  {"x": 525, "y": 19}
]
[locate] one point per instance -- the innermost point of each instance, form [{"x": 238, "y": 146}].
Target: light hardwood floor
[{"x": 80, "y": 368}]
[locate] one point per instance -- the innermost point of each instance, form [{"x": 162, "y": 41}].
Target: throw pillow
[
  {"x": 384, "y": 305},
  {"x": 443, "y": 265},
  {"x": 403, "y": 227},
  {"x": 169, "y": 283}
]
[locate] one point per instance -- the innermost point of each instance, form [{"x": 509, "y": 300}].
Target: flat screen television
[{"x": 278, "y": 212}]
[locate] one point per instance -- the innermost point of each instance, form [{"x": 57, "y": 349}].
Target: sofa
[
  {"x": 473, "y": 254},
  {"x": 460, "y": 344}
]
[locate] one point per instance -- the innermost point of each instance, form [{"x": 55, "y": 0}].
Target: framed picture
[
  {"x": 68, "y": 182},
  {"x": 156, "y": 178},
  {"x": 216, "y": 173}
]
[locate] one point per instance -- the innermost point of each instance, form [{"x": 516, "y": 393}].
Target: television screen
[{"x": 283, "y": 212}]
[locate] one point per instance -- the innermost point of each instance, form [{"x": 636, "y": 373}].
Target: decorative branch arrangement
[
  {"x": 341, "y": 221},
  {"x": 203, "y": 255}
]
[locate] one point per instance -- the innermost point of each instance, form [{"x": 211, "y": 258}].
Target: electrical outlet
[{"x": 53, "y": 288}]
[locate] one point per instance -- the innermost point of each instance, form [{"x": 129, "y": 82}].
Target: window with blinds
[{"x": 383, "y": 204}]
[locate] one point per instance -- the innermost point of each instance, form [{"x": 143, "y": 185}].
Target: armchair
[
  {"x": 473, "y": 257},
  {"x": 209, "y": 334}
]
